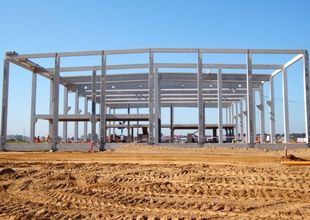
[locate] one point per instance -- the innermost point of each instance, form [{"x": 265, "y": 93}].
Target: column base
[{"x": 102, "y": 147}]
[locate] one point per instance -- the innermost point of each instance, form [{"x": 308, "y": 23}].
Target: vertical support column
[
  {"x": 5, "y": 98},
  {"x": 93, "y": 107},
  {"x": 200, "y": 104},
  {"x": 113, "y": 125},
  {"x": 55, "y": 102},
  {"x": 245, "y": 115},
  {"x": 76, "y": 112},
  {"x": 85, "y": 123},
  {"x": 226, "y": 116},
  {"x": 109, "y": 129},
  {"x": 103, "y": 125},
  {"x": 157, "y": 107},
  {"x": 229, "y": 115},
  {"x": 171, "y": 124},
  {"x": 50, "y": 122},
  {"x": 137, "y": 125},
  {"x": 33, "y": 107},
  {"x": 250, "y": 110},
  {"x": 306, "y": 96},
  {"x": 285, "y": 106},
  {"x": 262, "y": 114},
  {"x": 233, "y": 117},
  {"x": 272, "y": 113},
  {"x": 241, "y": 120},
  {"x": 66, "y": 110},
  {"x": 128, "y": 125},
  {"x": 220, "y": 110},
  {"x": 254, "y": 115},
  {"x": 151, "y": 98},
  {"x": 236, "y": 120}
]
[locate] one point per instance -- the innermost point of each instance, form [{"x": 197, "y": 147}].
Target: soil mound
[{"x": 7, "y": 171}]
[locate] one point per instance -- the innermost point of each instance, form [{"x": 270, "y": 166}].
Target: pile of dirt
[
  {"x": 292, "y": 157},
  {"x": 7, "y": 171}
]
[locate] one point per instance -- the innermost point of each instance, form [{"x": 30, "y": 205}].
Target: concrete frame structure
[{"x": 158, "y": 88}]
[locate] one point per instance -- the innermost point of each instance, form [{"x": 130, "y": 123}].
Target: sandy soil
[{"x": 138, "y": 182}]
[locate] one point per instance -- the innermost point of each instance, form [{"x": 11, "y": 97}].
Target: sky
[{"x": 35, "y": 26}]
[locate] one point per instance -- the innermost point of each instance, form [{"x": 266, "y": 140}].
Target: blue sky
[{"x": 48, "y": 26}]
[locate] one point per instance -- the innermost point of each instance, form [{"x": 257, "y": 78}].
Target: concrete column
[
  {"x": 214, "y": 134},
  {"x": 66, "y": 110},
  {"x": 285, "y": 106},
  {"x": 137, "y": 124},
  {"x": 220, "y": 110},
  {"x": 50, "y": 122},
  {"x": 5, "y": 98},
  {"x": 55, "y": 103},
  {"x": 93, "y": 107},
  {"x": 262, "y": 114},
  {"x": 76, "y": 112},
  {"x": 245, "y": 115},
  {"x": 229, "y": 115},
  {"x": 109, "y": 129},
  {"x": 236, "y": 119},
  {"x": 151, "y": 97},
  {"x": 33, "y": 120},
  {"x": 103, "y": 124},
  {"x": 254, "y": 115},
  {"x": 114, "y": 125},
  {"x": 250, "y": 110},
  {"x": 233, "y": 117},
  {"x": 85, "y": 123},
  {"x": 226, "y": 116},
  {"x": 306, "y": 95},
  {"x": 241, "y": 120},
  {"x": 171, "y": 124},
  {"x": 157, "y": 107},
  {"x": 128, "y": 125},
  {"x": 200, "y": 104},
  {"x": 272, "y": 113}
]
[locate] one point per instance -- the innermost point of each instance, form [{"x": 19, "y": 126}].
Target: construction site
[{"x": 235, "y": 168}]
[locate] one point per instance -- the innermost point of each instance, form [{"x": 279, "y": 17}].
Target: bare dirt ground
[{"x": 139, "y": 182}]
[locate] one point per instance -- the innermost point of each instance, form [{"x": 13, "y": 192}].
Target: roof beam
[{"x": 162, "y": 50}]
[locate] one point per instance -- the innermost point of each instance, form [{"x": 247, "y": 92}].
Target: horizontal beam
[
  {"x": 174, "y": 126},
  {"x": 166, "y": 65},
  {"x": 87, "y": 117},
  {"x": 179, "y": 77},
  {"x": 162, "y": 50},
  {"x": 165, "y": 85}
]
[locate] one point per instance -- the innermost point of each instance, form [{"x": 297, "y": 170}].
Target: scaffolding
[{"x": 233, "y": 91}]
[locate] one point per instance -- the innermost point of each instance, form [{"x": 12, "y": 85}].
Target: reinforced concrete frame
[{"x": 158, "y": 88}]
